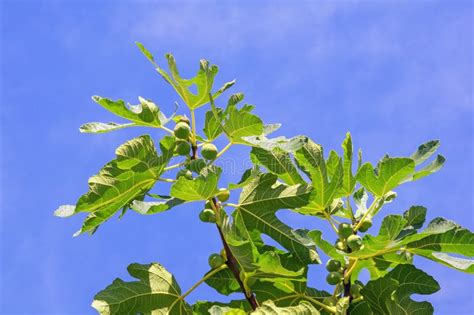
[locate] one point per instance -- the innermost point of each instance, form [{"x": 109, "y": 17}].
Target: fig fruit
[
  {"x": 209, "y": 151},
  {"x": 215, "y": 261},
  {"x": 182, "y": 130},
  {"x": 223, "y": 194},
  {"x": 186, "y": 173},
  {"x": 345, "y": 229},
  {"x": 354, "y": 242},
  {"x": 183, "y": 148},
  {"x": 333, "y": 265},
  {"x": 365, "y": 225},
  {"x": 334, "y": 278},
  {"x": 207, "y": 215}
]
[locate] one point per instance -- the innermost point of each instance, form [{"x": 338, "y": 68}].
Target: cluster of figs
[
  {"x": 182, "y": 132},
  {"x": 348, "y": 242}
]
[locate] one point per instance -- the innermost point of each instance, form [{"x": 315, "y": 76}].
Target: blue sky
[{"x": 395, "y": 74}]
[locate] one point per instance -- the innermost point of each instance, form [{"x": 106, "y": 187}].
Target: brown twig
[
  {"x": 232, "y": 264},
  {"x": 231, "y": 261},
  {"x": 195, "y": 150}
]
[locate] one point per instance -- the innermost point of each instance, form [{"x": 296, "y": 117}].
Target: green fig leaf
[
  {"x": 153, "y": 207},
  {"x": 258, "y": 203},
  {"x": 121, "y": 181},
  {"x": 269, "y": 308},
  {"x": 348, "y": 180},
  {"x": 391, "y": 293},
  {"x": 144, "y": 114},
  {"x": 240, "y": 123},
  {"x": 213, "y": 124},
  {"x": 204, "y": 80},
  {"x": 391, "y": 173},
  {"x": 156, "y": 292},
  {"x": 283, "y": 143},
  {"x": 202, "y": 187},
  {"x": 436, "y": 242},
  {"x": 278, "y": 162},
  {"x": 100, "y": 127},
  {"x": 325, "y": 190}
]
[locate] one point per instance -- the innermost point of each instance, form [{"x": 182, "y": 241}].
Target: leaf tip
[{"x": 65, "y": 211}]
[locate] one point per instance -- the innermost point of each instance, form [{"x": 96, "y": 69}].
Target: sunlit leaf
[
  {"x": 240, "y": 123},
  {"x": 203, "y": 81},
  {"x": 153, "y": 207},
  {"x": 269, "y": 308},
  {"x": 348, "y": 180},
  {"x": 100, "y": 127},
  {"x": 202, "y": 187},
  {"x": 325, "y": 246},
  {"x": 278, "y": 162},
  {"x": 144, "y": 114},
  {"x": 391, "y": 173},
  {"x": 258, "y": 203},
  {"x": 325, "y": 190},
  {"x": 156, "y": 292},
  {"x": 283, "y": 143},
  {"x": 440, "y": 238},
  {"x": 424, "y": 151},
  {"x": 213, "y": 124},
  {"x": 123, "y": 180}
]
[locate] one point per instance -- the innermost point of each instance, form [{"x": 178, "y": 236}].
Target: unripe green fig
[
  {"x": 330, "y": 301},
  {"x": 354, "y": 242},
  {"x": 208, "y": 204},
  {"x": 215, "y": 261},
  {"x": 207, "y": 215},
  {"x": 223, "y": 194},
  {"x": 185, "y": 120},
  {"x": 355, "y": 289},
  {"x": 340, "y": 245},
  {"x": 365, "y": 225},
  {"x": 183, "y": 148},
  {"x": 334, "y": 278},
  {"x": 333, "y": 265},
  {"x": 223, "y": 254},
  {"x": 182, "y": 130},
  {"x": 209, "y": 151},
  {"x": 345, "y": 229},
  {"x": 186, "y": 173}
]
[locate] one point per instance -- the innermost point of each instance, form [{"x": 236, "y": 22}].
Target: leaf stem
[
  {"x": 193, "y": 126},
  {"x": 168, "y": 180},
  {"x": 322, "y": 305},
  {"x": 231, "y": 205},
  {"x": 193, "y": 138},
  {"x": 224, "y": 149},
  {"x": 210, "y": 274},
  {"x": 350, "y": 269},
  {"x": 328, "y": 217},
  {"x": 349, "y": 207},
  {"x": 336, "y": 290},
  {"x": 166, "y": 129},
  {"x": 174, "y": 166},
  {"x": 375, "y": 204}
]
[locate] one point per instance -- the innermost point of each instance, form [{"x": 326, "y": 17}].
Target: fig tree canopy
[{"x": 175, "y": 164}]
